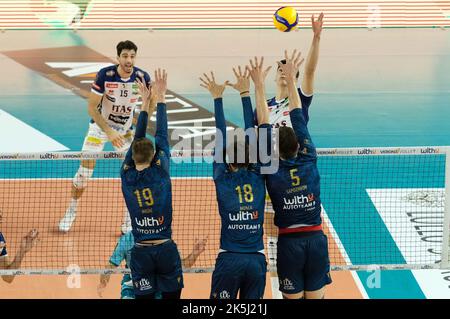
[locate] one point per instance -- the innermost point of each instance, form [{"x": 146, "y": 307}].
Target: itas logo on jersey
[
  {"x": 299, "y": 202},
  {"x": 143, "y": 285},
  {"x": 150, "y": 221},
  {"x": 122, "y": 109},
  {"x": 243, "y": 216},
  {"x": 286, "y": 284}
]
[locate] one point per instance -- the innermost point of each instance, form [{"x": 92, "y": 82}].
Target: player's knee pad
[{"x": 82, "y": 177}]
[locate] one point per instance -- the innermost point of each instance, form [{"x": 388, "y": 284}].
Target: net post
[{"x": 446, "y": 227}]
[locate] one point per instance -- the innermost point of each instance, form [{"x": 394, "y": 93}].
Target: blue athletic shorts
[
  {"x": 239, "y": 272},
  {"x": 302, "y": 262},
  {"x": 156, "y": 268}
]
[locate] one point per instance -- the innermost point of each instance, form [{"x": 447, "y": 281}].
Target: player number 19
[{"x": 145, "y": 193}]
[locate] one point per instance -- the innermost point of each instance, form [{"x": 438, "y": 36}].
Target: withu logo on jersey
[
  {"x": 299, "y": 202},
  {"x": 150, "y": 221},
  {"x": 243, "y": 216},
  {"x": 143, "y": 285}
]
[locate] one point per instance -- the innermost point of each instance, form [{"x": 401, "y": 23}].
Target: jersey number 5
[
  {"x": 295, "y": 179},
  {"x": 145, "y": 194},
  {"x": 248, "y": 193}
]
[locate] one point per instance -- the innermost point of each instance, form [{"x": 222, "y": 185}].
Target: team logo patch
[
  {"x": 224, "y": 295},
  {"x": 287, "y": 284},
  {"x": 111, "y": 98},
  {"x": 112, "y": 85},
  {"x": 118, "y": 119},
  {"x": 110, "y": 73}
]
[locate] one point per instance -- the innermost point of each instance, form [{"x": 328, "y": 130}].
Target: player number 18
[{"x": 248, "y": 193}]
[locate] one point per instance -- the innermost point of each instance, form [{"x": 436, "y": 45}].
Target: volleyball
[{"x": 285, "y": 19}]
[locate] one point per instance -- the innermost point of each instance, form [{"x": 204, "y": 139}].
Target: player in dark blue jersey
[
  {"x": 302, "y": 250},
  {"x": 146, "y": 186},
  {"x": 279, "y": 104},
  {"x": 25, "y": 246},
  {"x": 241, "y": 264}
]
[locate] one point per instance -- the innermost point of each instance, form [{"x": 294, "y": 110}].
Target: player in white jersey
[
  {"x": 111, "y": 105},
  {"x": 279, "y": 105}
]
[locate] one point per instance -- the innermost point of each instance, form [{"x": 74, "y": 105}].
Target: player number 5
[{"x": 294, "y": 177}]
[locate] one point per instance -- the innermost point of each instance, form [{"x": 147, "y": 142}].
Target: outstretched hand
[
  {"x": 292, "y": 65},
  {"x": 210, "y": 84},
  {"x": 29, "y": 240},
  {"x": 159, "y": 86},
  {"x": 317, "y": 24},
  {"x": 256, "y": 71},
  {"x": 242, "y": 84}
]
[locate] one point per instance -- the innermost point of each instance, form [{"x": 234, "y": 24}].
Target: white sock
[{"x": 73, "y": 204}]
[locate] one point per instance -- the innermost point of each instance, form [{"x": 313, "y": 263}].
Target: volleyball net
[{"x": 385, "y": 208}]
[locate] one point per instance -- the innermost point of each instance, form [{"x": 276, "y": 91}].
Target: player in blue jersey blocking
[
  {"x": 241, "y": 264},
  {"x": 302, "y": 250},
  {"x": 155, "y": 262},
  {"x": 122, "y": 252}
]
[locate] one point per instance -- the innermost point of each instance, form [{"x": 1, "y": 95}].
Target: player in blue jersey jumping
[
  {"x": 241, "y": 264},
  {"x": 123, "y": 252},
  {"x": 26, "y": 245},
  {"x": 302, "y": 250},
  {"x": 155, "y": 262},
  {"x": 111, "y": 105}
]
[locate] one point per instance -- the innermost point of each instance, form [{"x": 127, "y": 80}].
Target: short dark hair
[
  {"x": 125, "y": 45},
  {"x": 288, "y": 142},
  {"x": 235, "y": 155},
  {"x": 143, "y": 150},
  {"x": 284, "y": 62}
]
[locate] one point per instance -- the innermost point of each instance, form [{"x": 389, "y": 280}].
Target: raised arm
[
  {"x": 291, "y": 67},
  {"x": 199, "y": 248},
  {"x": 258, "y": 75},
  {"x": 313, "y": 56},
  {"x": 26, "y": 245},
  {"x": 242, "y": 85},
  {"x": 216, "y": 91},
  {"x": 161, "y": 135},
  {"x": 148, "y": 107}
]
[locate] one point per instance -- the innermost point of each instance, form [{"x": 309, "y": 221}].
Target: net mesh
[{"x": 381, "y": 207}]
